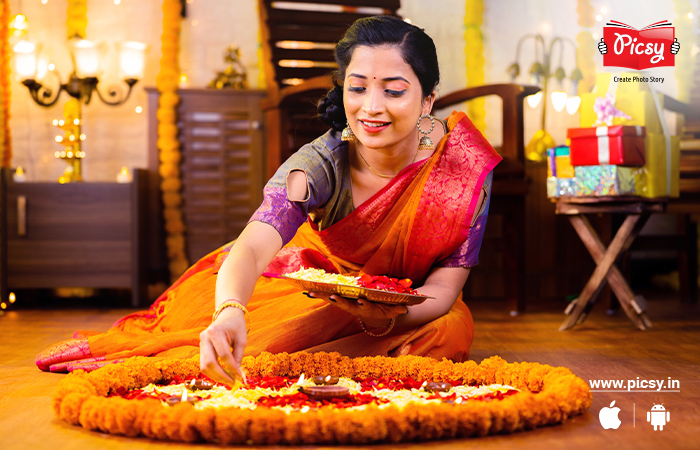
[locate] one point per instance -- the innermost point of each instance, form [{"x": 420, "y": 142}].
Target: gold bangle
[
  {"x": 229, "y": 304},
  {"x": 391, "y": 326}
]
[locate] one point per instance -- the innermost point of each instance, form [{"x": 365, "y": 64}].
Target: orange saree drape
[{"x": 419, "y": 218}]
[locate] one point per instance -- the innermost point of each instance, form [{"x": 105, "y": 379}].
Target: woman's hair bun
[{"x": 331, "y": 110}]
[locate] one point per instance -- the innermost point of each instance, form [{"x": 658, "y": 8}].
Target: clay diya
[
  {"x": 327, "y": 380},
  {"x": 202, "y": 385},
  {"x": 175, "y": 399},
  {"x": 435, "y": 386},
  {"x": 324, "y": 392}
]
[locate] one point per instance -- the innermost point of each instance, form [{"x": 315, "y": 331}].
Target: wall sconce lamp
[
  {"x": 83, "y": 81},
  {"x": 540, "y": 74}
]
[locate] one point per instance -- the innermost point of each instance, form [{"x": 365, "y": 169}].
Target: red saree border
[
  {"x": 399, "y": 231},
  {"x": 402, "y": 176}
]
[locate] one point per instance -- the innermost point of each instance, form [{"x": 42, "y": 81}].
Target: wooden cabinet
[
  {"x": 222, "y": 163},
  {"x": 74, "y": 235}
]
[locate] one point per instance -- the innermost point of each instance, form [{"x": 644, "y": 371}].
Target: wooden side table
[
  {"x": 77, "y": 234},
  {"x": 638, "y": 211}
]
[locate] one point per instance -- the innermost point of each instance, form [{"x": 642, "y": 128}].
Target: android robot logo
[{"x": 658, "y": 416}]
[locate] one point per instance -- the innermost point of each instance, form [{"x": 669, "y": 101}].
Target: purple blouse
[{"x": 329, "y": 197}]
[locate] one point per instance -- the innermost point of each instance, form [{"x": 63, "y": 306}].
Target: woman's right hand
[{"x": 216, "y": 358}]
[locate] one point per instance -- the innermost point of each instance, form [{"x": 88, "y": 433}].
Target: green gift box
[
  {"x": 606, "y": 180},
  {"x": 560, "y": 187}
]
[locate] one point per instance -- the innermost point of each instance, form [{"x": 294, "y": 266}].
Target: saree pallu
[{"x": 419, "y": 218}]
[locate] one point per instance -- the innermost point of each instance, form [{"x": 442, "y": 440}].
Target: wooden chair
[
  {"x": 297, "y": 47},
  {"x": 510, "y": 184}
]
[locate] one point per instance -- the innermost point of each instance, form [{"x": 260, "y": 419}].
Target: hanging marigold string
[
  {"x": 684, "y": 58},
  {"x": 262, "y": 84},
  {"x": 474, "y": 49},
  {"x": 76, "y": 20},
  {"x": 548, "y": 395},
  {"x": 585, "y": 51},
  {"x": 170, "y": 156},
  {"x": 5, "y": 139}
]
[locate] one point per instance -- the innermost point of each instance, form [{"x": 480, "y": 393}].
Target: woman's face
[{"x": 383, "y": 98}]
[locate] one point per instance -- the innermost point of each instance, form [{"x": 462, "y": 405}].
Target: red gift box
[{"x": 619, "y": 145}]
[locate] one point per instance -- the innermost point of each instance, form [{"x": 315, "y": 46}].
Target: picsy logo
[{"x": 653, "y": 46}]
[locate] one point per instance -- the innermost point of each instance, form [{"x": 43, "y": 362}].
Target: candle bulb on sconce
[
  {"x": 534, "y": 100},
  {"x": 572, "y": 104},
  {"x": 25, "y": 59}
]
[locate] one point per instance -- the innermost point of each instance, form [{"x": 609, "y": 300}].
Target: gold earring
[
  {"x": 425, "y": 142},
  {"x": 347, "y": 134}
]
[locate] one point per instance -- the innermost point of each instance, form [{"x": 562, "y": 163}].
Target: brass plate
[{"x": 374, "y": 295}]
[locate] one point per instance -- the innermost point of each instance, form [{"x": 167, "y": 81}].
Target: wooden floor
[{"x": 604, "y": 347}]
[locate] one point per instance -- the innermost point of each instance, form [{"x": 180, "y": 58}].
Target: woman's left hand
[{"x": 374, "y": 315}]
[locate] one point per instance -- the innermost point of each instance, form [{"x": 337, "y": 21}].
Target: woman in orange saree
[{"x": 424, "y": 219}]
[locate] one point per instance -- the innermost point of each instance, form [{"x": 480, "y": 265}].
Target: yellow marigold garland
[
  {"x": 5, "y": 140},
  {"x": 76, "y": 21},
  {"x": 474, "y": 49},
  {"x": 684, "y": 58},
  {"x": 167, "y": 82},
  {"x": 549, "y": 395},
  {"x": 585, "y": 51}
]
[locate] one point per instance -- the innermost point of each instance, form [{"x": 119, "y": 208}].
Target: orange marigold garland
[
  {"x": 167, "y": 82},
  {"x": 549, "y": 395},
  {"x": 5, "y": 140}
]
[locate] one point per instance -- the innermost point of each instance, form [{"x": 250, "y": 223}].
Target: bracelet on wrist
[
  {"x": 384, "y": 333},
  {"x": 233, "y": 303}
]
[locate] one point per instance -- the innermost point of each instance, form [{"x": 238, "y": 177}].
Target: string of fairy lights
[{"x": 10, "y": 300}]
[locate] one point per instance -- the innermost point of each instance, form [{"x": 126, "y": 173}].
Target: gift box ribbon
[{"x": 604, "y": 143}]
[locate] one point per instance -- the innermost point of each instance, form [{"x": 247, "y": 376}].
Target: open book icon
[{"x": 639, "y": 49}]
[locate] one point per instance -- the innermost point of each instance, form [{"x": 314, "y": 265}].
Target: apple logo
[{"x": 608, "y": 417}]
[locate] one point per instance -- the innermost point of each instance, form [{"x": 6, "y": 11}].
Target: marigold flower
[{"x": 548, "y": 395}]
